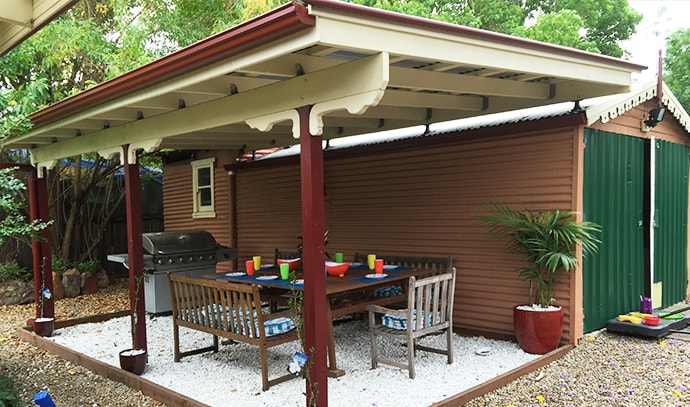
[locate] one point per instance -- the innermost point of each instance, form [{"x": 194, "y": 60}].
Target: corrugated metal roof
[{"x": 604, "y": 109}]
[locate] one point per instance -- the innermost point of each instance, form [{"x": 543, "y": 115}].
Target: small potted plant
[
  {"x": 549, "y": 241},
  {"x": 134, "y": 359}
]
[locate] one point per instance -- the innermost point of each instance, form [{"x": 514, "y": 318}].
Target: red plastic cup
[
  {"x": 378, "y": 266},
  {"x": 249, "y": 265}
]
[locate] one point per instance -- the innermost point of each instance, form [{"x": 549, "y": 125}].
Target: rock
[
  {"x": 16, "y": 292},
  {"x": 58, "y": 288},
  {"x": 71, "y": 281},
  {"x": 89, "y": 284},
  {"x": 102, "y": 277}
]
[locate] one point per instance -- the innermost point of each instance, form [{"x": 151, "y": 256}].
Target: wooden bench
[{"x": 227, "y": 310}]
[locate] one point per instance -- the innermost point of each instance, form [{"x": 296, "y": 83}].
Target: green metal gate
[
  {"x": 670, "y": 218},
  {"x": 613, "y": 279}
]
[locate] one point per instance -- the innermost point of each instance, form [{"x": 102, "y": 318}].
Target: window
[{"x": 202, "y": 171}]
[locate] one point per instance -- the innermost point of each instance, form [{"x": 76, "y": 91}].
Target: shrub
[
  {"x": 12, "y": 271},
  {"x": 89, "y": 266},
  {"x": 8, "y": 395},
  {"x": 60, "y": 266}
]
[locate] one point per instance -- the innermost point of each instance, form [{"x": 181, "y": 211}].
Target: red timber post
[
  {"x": 135, "y": 251},
  {"x": 40, "y": 250},
  {"x": 313, "y": 253}
]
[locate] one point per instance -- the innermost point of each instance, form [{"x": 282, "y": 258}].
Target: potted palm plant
[{"x": 549, "y": 240}]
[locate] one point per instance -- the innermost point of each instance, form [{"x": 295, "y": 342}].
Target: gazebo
[{"x": 301, "y": 73}]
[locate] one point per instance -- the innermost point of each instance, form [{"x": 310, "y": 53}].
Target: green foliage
[
  {"x": 549, "y": 241},
  {"x": 14, "y": 221},
  {"x": 12, "y": 271},
  {"x": 8, "y": 395},
  {"x": 676, "y": 66},
  {"x": 60, "y": 266},
  {"x": 89, "y": 266},
  {"x": 562, "y": 28}
]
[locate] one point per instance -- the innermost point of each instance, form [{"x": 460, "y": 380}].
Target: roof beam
[
  {"x": 452, "y": 82},
  {"x": 18, "y": 12},
  {"x": 356, "y": 77}
]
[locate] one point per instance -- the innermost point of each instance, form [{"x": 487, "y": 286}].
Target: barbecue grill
[{"x": 192, "y": 253}]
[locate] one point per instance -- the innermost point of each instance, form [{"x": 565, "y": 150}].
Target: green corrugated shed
[{"x": 613, "y": 192}]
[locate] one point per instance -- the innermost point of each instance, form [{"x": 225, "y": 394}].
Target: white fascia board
[
  {"x": 673, "y": 105},
  {"x": 615, "y": 105},
  {"x": 20, "y": 12},
  {"x": 356, "y": 77},
  {"x": 290, "y": 43},
  {"x": 368, "y": 35}
]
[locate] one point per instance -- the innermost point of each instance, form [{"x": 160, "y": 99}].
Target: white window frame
[{"x": 203, "y": 211}]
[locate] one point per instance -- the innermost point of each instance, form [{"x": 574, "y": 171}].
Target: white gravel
[{"x": 233, "y": 375}]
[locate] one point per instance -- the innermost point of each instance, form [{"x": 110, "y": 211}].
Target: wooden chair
[
  {"x": 429, "y": 311},
  {"x": 438, "y": 264},
  {"x": 286, "y": 255}
]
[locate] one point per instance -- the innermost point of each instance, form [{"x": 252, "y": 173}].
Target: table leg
[{"x": 333, "y": 370}]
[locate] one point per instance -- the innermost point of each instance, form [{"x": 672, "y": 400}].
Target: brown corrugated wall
[
  {"x": 424, "y": 202},
  {"x": 178, "y": 204}
]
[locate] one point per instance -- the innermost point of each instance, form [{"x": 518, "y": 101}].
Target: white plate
[
  {"x": 375, "y": 276},
  {"x": 390, "y": 267},
  {"x": 235, "y": 274},
  {"x": 300, "y": 281},
  {"x": 483, "y": 351},
  {"x": 267, "y": 277}
]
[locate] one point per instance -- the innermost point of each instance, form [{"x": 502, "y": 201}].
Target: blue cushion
[
  {"x": 389, "y": 291},
  {"x": 400, "y": 322},
  {"x": 272, "y": 327}
]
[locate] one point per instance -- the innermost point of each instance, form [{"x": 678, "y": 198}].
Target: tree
[
  {"x": 676, "y": 63},
  {"x": 13, "y": 219}
]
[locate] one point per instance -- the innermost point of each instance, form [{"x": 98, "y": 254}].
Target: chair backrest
[
  {"x": 286, "y": 255},
  {"x": 438, "y": 264},
  {"x": 430, "y": 302}
]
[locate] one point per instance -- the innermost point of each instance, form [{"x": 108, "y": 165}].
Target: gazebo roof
[
  {"x": 362, "y": 69},
  {"x": 21, "y": 18}
]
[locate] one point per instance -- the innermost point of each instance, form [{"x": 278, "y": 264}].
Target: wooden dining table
[{"x": 347, "y": 294}]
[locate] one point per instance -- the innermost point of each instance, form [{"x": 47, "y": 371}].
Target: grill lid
[{"x": 177, "y": 242}]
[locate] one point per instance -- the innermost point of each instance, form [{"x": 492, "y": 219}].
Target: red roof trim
[
  {"x": 351, "y": 8},
  {"x": 263, "y": 29}
]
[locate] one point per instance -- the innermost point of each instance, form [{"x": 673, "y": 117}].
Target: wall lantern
[{"x": 655, "y": 116}]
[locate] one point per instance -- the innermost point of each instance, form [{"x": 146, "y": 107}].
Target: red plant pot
[
  {"x": 538, "y": 332},
  {"x": 133, "y": 360},
  {"x": 44, "y": 326}
]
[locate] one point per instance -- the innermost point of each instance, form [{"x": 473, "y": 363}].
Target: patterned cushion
[
  {"x": 272, "y": 327},
  {"x": 400, "y": 323},
  {"x": 389, "y": 291},
  {"x": 278, "y": 326}
]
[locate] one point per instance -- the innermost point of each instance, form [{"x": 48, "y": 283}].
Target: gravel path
[{"x": 605, "y": 370}]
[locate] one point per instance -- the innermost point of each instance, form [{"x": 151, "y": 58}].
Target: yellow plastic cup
[
  {"x": 370, "y": 259},
  {"x": 257, "y": 263}
]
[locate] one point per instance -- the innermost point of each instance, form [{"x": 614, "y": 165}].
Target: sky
[{"x": 661, "y": 18}]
